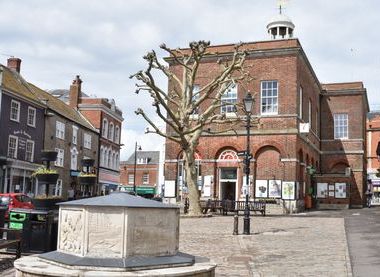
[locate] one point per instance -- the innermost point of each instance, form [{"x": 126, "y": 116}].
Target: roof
[
  {"x": 246, "y": 46},
  {"x": 280, "y": 20},
  {"x": 154, "y": 157},
  {"x": 62, "y": 108},
  {"x": 64, "y": 94},
  {"x": 15, "y": 83},
  {"x": 119, "y": 199},
  {"x": 343, "y": 86}
]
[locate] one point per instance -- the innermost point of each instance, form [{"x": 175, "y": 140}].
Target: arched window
[
  {"x": 109, "y": 158},
  {"x": 229, "y": 155},
  {"x": 113, "y": 161},
  {"x": 117, "y": 134},
  {"x": 117, "y": 161},
  {"x": 110, "y": 132},
  {"x": 74, "y": 159},
  {"x": 101, "y": 159},
  {"x": 105, "y": 128}
]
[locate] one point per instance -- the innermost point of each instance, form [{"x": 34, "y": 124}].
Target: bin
[
  {"x": 3, "y": 210},
  {"x": 39, "y": 229}
]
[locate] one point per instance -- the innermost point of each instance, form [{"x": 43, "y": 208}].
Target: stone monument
[{"x": 116, "y": 235}]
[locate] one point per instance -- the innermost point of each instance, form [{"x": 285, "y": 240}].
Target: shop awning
[{"x": 141, "y": 190}]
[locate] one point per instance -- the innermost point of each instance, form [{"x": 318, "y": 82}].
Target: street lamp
[
  {"x": 248, "y": 103},
  {"x": 137, "y": 147}
]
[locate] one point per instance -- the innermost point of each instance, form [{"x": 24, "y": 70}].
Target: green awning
[{"x": 141, "y": 190}]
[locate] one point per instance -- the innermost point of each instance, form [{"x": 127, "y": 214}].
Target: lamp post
[
  {"x": 137, "y": 147},
  {"x": 248, "y": 103}
]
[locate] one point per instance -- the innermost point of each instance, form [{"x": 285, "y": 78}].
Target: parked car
[{"x": 15, "y": 200}]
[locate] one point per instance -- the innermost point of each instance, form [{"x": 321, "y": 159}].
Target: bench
[
  {"x": 226, "y": 206},
  {"x": 5, "y": 243}
]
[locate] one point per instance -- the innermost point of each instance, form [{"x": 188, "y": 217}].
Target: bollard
[{"x": 236, "y": 224}]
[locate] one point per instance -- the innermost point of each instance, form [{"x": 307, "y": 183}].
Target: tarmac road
[{"x": 363, "y": 237}]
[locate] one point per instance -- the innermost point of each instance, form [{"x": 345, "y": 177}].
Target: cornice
[{"x": 91, "y": 107}]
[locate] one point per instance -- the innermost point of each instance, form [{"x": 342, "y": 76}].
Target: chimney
[
  {"x": 14, "y": 64},
  {"x": 75, "y": 92}
]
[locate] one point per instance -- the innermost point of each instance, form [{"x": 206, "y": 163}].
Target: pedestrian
[{"x": 368, "y": 194}]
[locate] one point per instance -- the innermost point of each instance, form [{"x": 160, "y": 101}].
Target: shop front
[
  {"x": 16, "y": 177},
  {"x": 145, "y": 191},
  {"x": 375, "y": 188}
]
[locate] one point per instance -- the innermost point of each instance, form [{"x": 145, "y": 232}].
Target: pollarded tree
[{"x": 177, "y": 105}]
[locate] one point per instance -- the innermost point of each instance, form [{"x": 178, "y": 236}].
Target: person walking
[{"x": 368, "y": 194}]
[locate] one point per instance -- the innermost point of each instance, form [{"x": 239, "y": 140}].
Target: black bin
[
  {"x": 39, "y": 229},
  {"x": 3, "y": 210}
]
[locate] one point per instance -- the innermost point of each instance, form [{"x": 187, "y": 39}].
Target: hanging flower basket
[
  {"x": 46, "y": 203},
  {"x": 49, "y": 155},
  {"x": 87, "y": 179},
  {"x": 88, "y": 162},
  {"x": 46, "y": 176}
]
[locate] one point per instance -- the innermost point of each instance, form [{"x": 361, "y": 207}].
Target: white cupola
[{"x": 280, "y": 27}]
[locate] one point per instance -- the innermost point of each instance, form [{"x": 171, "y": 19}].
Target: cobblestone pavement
[{"x": 279, "y": 246}]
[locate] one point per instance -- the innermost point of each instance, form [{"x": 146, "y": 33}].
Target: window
[
  {"x": 142, "y": 160},
  {"x": 131, "y": 179},
  {"x": 104, "y": 157},
  {"x": 87, "y": 141},
  {"x": 29, "y": 150},
  {"x": 110, "y": 132},
  {"x": 301, "y": 102},
  {"x": 117, "y": 162},
  {"x": 57, "y": 191},
  {"x": 101, "y": 158},
  {"x": 269, "y": 96},
  {"x": 60, "y": 157},
  {"x": 105, "y": 128},
  {"x": 12, "y": 146},
  {"x": 31, "y": 117},
  {"x": 229, "y": 99},
  {"x": 310, "y": 114},
  {"x": 60, "y": 130},
  {"x": 113, "y": 160},
  {"x": 145, "y": 178},
  {"x": 75, "y": 135},
  {"x": 15, "y": 110},
  {"x": 341, "y": 126},
  {"x": 109, "y": 159},
  {"x": 196, "y": 95},
  {"x": 117, "y": 134},
  {"x": 74, "y": 159}
]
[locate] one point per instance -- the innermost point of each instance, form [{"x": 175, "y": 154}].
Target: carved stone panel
[
  {"x": 152, "y": 232},
  {"x": 105, "y": 232},
  {"x": 71, "y": 231}
]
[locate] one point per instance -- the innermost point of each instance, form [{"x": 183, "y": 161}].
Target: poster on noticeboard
[
  {"x": 288, "y": 190},
  {"x": 274, "y": 189}
]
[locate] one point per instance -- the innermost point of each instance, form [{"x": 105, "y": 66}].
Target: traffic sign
[{"x": 242, "y": 153}]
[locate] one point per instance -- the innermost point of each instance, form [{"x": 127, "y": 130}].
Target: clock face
[{"x": 304, "y": 127}]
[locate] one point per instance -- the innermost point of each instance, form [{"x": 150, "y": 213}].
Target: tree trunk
[{"x": 191, "y": 181}]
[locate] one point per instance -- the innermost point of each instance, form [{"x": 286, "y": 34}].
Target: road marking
[{"x": 356, "y": 214}]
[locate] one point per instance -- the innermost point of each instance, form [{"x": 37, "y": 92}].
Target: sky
[{"x": 104, "y": 42}]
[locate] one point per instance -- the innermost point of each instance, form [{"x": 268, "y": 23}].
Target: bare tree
[{"x": 177, "y": 105}]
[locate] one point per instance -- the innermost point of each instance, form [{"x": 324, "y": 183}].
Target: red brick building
[
  {"x": 373, "y": 148},
  {"x": 146, "y": 174},
  {"x": 310, "y": 139}
]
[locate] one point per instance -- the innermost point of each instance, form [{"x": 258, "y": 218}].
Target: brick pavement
[{"x": 279, "y": 246}]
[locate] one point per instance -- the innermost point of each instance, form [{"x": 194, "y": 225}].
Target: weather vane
[{"x": 281, "y": 4}]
